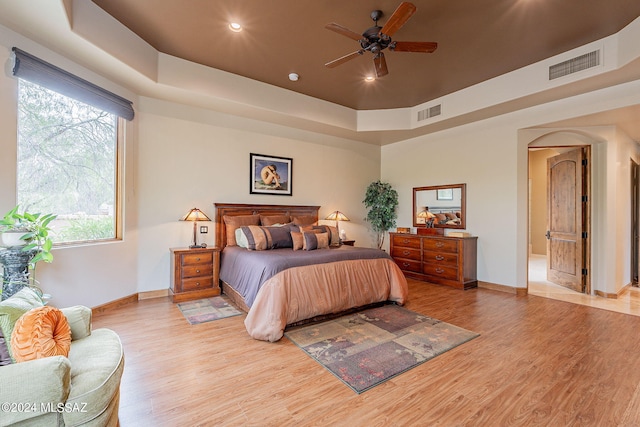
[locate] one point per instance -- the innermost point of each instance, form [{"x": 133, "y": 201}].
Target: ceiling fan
[{"x": 376, "y": 39}]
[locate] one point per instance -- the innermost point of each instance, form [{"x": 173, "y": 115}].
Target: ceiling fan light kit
[{"x": 376, "y": 39}]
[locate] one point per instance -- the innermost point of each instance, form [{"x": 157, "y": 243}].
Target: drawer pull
[
  {"x": 405, "y": 264},
  {"x": 198, "y": 259},
  {"x": 406, "y": 241},
  {"x": 197, "y": 271},
  {"x": 439, "y": 270},
  {"x": 439, "y": 257},
  {"x": 439, "y": 244},
  {"x": 198, "y": 284},
  {"x": 406, "y": 253}
]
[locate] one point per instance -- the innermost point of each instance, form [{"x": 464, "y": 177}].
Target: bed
[{"x": 280, "y": 286}]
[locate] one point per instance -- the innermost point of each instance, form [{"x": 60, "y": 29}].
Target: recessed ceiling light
[
  {"x": 369, "y": 79},
  {"x": 235, "y": 27},
  {"x": 294, "y": 77}
]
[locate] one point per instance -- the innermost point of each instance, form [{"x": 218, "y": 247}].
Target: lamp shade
[
  {"x": 337, "y": 216},
  {"x": 195, "y": 214},
  {"x": 426, "y": 214}
]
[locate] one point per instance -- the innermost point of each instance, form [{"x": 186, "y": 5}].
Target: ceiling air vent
[
  {"x": 436, "y": 110},
  {"x": 579, "y": 63}
]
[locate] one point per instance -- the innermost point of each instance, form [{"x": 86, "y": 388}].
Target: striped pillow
[
  {"x": 313, "y": 241},
  {"x": 260, "y": 238}
]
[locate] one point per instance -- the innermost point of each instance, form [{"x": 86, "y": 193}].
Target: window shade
[{"x": 35, "y": 70}]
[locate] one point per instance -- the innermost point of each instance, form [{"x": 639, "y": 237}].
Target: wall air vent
[
  {"x": 425, "y": 114},
  {"x": 573, "y": 65}
]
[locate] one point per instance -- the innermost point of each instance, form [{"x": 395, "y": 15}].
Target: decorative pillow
[
  {"x": 233, "y": 222},
  {"x": 298, "y": 240},
  {"x": 304, "y": 220},
  {"x": 41, "y": 332},
  {"x": 334, "y": 237},
  {"x": 259, "y": 238},
  {"x": 450, "y": 215},
  {"x": 15, "y": 306},
  {"x": 5, "y": 358},
  {"x": 268, "y": 220},
  {"x": 313, "y": 241}
]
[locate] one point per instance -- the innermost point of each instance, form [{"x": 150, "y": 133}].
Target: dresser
[
  {"x": 194, "y": 273},
  {"x": 450, "y": 261}
]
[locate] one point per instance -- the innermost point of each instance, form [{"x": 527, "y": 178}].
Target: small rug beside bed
[
  {"x": 367, "y": 348},
  {"x": 207, "y": 309}
]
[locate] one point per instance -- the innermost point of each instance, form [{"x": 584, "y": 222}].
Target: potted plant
[
  {"x": 20, "y": 256},
  {"x": 381, "y": 200}
]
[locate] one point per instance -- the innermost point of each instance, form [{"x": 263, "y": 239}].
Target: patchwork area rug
[
  {"x": 367, "y": 348},
  {"x": 207, "y": 309}
]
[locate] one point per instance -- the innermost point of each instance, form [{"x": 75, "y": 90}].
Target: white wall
[
  {"x": 490, "y": 156},
  {"x": 190, "y": 157}
]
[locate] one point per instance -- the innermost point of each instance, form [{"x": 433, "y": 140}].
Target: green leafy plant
[
  {"x": 35, "y": 229},
  {"x": 381, "y": 200}
]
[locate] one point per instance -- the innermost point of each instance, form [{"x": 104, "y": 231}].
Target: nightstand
[
  {"x": 348, "y": 242},
  {"x": 194, "y": 273}
]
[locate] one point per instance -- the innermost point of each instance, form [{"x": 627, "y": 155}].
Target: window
[
  {"x": 68, "y": 150},
  {"x": 67, "y": 163}
]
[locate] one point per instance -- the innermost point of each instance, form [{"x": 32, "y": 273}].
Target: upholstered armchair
[{"x": 82, "y": 389}]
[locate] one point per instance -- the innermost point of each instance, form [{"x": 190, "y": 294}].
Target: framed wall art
[
  {"x": 445, "y": 194},
  {"x": 270, "y": 174}
]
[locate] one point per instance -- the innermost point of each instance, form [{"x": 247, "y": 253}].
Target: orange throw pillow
[{"x": 41, "y": 332}]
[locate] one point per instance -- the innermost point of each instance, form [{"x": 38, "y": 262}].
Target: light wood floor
[
  {"x": 628, "y": 302},
  {"x": 538, "y": 361}
]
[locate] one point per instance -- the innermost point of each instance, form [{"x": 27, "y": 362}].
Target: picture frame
[
  {"x": 445, "y": 194},
  {"x": 270, "y": 175}
]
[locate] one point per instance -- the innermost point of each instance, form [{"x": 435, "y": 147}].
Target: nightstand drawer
[
  {"x": 201, "y": 258},
  {"x": 197, "y": 270},
  {"x": 195, "y": 273},
  {"x": 197, "y": 283}
]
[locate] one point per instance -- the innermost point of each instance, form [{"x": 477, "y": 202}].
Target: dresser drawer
[
  {"x": 409, "y": 253},
  {"x": 441, "y": 245},
  {"x": 409, "y": 265},
  {"x": 441, "y": 271},
  {"x": 200, "y": 258},
  {"x": 197, "y": 283},
  {"x": 406, "y": 241},
  {"x": 441, "y": 258},
  {"x": 197, "y": 270}
]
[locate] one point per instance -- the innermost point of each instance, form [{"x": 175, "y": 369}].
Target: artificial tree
[{"x": 381, "y": 200}]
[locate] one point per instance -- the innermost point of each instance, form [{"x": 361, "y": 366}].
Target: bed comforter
[{"x": 309, "y": 284}]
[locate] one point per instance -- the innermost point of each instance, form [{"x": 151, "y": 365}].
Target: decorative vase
[
  {"x": 15, "y": 264},
  {"x": 11, "y": 239}
]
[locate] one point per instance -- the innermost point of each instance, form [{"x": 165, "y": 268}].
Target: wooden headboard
[{"x": 234, "y": 209}]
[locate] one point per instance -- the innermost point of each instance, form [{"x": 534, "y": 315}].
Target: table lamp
[
  {"x": 337, "y": 216},
  {"x": 195, "y": 215}
]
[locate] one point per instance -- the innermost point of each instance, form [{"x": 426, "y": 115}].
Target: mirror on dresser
[{"x": 439, "y": 206}]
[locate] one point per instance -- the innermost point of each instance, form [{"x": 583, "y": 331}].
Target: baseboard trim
[
  {"x": 612, "y": 295},
  {"x": 153, "y": 294},
  {"x": 520, "y": 292},
  {"x": 115, "y": 304}
]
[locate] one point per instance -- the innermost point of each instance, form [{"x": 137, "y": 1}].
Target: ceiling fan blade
[
  {"x": 424, "y": 47},
  {"x": 401, "y": 15},
  {"x": 343, "y": 59},
  {"x": 344, "y": 31},
  {"x": 380, "y": 65}
]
